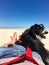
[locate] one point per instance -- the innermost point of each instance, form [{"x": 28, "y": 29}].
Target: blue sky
[{"x": 23, "y": 13}]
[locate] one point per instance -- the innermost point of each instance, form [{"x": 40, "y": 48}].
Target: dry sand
[{"x": 5, "y": 34}]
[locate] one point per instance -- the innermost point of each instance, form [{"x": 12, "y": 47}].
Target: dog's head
[{"x": 38, "y": 29}]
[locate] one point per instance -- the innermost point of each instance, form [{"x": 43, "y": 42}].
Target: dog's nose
[{"x": 46, "y": 32}]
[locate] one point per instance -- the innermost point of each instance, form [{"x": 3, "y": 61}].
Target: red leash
[
  {"x": 27, "y": 56},
  {"x": 14, "y": 60}
]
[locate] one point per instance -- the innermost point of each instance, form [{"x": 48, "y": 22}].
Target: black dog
[{"x": 29, "y": 39}]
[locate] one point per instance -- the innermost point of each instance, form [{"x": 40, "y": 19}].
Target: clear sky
[{"x": 23, "y": 13}]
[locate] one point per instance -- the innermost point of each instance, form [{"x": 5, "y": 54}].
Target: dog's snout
[{"x": 46, "y": 32}]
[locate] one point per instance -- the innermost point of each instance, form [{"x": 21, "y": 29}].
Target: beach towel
[{"x": 33, "y": 57}]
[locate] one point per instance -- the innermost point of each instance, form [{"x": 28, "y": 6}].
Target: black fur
[{"x": 29, "y": 39}]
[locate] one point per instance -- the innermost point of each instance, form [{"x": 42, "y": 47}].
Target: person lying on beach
[
  {"x": 12, "y": 50},
  {"x": 13, "y": 40},
  {"x": 17, "y": 51}
]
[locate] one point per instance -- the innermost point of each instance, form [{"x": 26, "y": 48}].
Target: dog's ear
[
  {"x": 33, "y": 27},
  {"x": 42, "y": 26}
]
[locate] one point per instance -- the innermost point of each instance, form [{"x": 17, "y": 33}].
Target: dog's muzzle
[{"x": 43, "y": 34}]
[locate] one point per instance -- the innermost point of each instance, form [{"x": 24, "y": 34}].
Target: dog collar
[{"x": 20, "y": 41}]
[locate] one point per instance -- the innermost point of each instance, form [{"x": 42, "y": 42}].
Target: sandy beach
[{"x": 5, "y": 34}]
